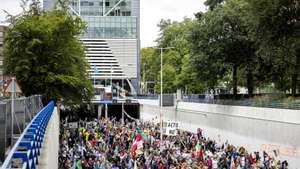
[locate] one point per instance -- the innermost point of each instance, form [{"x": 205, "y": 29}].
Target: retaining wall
[{"x": 257, "y": 129}]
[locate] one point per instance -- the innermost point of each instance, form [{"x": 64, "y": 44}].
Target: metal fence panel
[
  {"x": 241, "y": 102},
  {"x": 2, "y": 131},
  {"x": 25, "y": 108}
]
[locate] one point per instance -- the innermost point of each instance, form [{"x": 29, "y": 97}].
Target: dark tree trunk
[
  {"x": 234, "y": 78},
  {"x": 250, "y": 84},
  {"x": 295, "y": 74},
  {"x": 294, "y": 84}
]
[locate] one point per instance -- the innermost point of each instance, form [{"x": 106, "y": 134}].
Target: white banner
[
  {"x": 73, "y": 125},
  {"x": 171, "y": 128}
]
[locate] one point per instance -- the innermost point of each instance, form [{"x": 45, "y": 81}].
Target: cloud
[
  {"x": 152, "y": 11},
  {"x": 11, "y": 6}
]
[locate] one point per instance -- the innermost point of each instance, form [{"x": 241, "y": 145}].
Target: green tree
[
  {"x": 278, "y": 22},
  {"x": 187, "y": 79},
  {"x": 43, "y": 51},
  {"x": 222, "y": 37},
  {"x": 169, "y": 73},
  {"x": 176, "y": 35},
  {"x": 150, "y": 66},
  {"x": 212, "y": 4}
]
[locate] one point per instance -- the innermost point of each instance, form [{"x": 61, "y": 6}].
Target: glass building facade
[
  {"x": 111, "y": 39},
  {"x": 111, "y": 27},
  {"x": 107, "y": 19},
  {"x": 96, "y": 7}
]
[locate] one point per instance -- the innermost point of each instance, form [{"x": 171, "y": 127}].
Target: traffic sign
[{"x": 13, "y": 87}]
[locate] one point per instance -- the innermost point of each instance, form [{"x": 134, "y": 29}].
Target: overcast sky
[{"x": 151, "y": 12}]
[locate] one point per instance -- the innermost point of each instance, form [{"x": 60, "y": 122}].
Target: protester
[{"x": 109, "y": 144}]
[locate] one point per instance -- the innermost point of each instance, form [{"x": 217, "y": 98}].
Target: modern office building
[{"x": 112, "y": 39}]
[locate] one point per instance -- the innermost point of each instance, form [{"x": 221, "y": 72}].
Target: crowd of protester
[{"x": 110, "y": 144}]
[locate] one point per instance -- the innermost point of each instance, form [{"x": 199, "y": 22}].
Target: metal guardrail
[
  {"x": 247, "y": 102},
  {"x": 26, "y": 150},
  {"x": 25, "y": 108},
  {"x": 241, "y": 102},
  {"x": 150, "y": 97}
]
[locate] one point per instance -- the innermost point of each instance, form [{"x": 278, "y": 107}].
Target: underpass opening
[{"x": 114, "y": 110}]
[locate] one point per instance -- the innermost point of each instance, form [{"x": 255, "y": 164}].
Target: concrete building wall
[
  {"x": 49, "y": 4},
  {"x": 257, "y": 129},
  {"x": 136, "y": 6},
  {"x": 125, "y": 50}
]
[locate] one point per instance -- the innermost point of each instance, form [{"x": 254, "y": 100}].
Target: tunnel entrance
[{"x": 115, "y": 110}]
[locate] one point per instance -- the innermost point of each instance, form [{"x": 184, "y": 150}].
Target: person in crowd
[{"x": 110, "y": 144}]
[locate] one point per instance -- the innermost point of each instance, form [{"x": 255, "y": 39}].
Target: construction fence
[{"x": 25, "y": 109}]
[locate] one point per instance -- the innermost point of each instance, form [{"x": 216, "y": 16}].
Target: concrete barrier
[
  {"x": 49, "y": 153},
  {"x": 257, "y": 129}
]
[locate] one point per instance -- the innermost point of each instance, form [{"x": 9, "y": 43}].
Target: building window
[
  {"x": 84, "y": 3},
  {"x": 126, "y": 13},
  {"x": 74, "y": 3},
  {"x": 106, "y": 3},
  {"x": 123, "y": 3},
  {"x": 111, "y": 13}
]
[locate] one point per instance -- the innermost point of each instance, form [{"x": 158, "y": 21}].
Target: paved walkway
[{"x": 49, "y": 152}]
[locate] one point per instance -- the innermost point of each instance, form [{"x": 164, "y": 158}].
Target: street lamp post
[
  {"x": 161, "y": 94},
  {"x": 144, "y": 78},
  {"x": 161, "y": 91},
  {"x": 12, "y": 111},
  {"x": 124, "y": 97}
]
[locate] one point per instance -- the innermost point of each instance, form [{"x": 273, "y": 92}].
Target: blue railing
[{"x": 26, "y": 150}]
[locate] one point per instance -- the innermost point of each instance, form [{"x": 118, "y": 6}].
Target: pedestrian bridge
[{"x": 35, "y": 148}]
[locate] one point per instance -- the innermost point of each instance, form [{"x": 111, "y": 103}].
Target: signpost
[{"x": 13, "y": 88}]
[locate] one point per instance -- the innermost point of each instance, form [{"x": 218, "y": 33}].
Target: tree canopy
[
  {"x": 176, "y": 65},
  {"x": 43, "y": 51},
  {"x": 235, "y": 44},
  {"x": 278, "y": 36}
]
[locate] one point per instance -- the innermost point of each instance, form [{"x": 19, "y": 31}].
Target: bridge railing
[
  {"x": 25, "y": 108},
  {"x": 26, "y": 151},
  {"x": 150, "y": 97}
]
